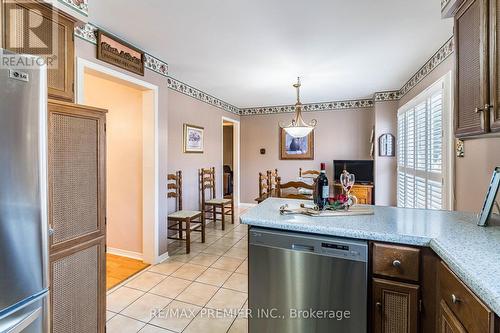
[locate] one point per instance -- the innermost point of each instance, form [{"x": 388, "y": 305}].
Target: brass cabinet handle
[
  {"x": 378, "y": 305},
  {"x": 396, "y": 263},
  {"x": 455, "y": 299},
  {"x": 485, "y": 108}
]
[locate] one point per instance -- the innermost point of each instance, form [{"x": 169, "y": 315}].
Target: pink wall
[
  {"x": 184, "y": 109},
  {"x": 385, "y": 114},
  {"x": 339, "y": 135},
  {"x": 123, "y": 159}
]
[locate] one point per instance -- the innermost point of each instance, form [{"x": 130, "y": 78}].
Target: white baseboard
[
  {"x": 247, "y": 205},
  {"x": 163, "y": 257},
  {"x": 124, "y": 253}
]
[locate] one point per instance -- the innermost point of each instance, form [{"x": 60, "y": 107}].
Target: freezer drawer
[{"x": 306, "y": 284}]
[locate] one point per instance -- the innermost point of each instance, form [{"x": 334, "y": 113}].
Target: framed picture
[
  {"x": 490, "y": 214},
  {"x": 193, "y": 139},
  {"x": 296, "y": 148}
]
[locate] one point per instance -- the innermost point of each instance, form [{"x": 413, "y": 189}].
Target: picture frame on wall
[
  {"x": 296, "y": 148},
  {"x": 193, "y": 139},
  {"x": 490, "y": 214}
]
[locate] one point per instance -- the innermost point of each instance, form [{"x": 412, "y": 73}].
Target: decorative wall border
[
  {"x": 80, "y": 6},
  {"x": 188, "y": 90},
  {"x": 444, "y": 52},
  {"x": 309, "y": 107},
  {"x": 88, "y": 33}
]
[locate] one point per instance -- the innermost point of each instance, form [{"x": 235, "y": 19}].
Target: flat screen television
[{"x": 362, "y": 170}]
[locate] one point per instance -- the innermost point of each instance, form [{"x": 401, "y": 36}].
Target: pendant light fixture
[{"x": 298, "y": 128}]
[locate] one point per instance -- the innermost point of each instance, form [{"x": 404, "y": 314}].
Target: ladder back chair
[
  {"x": 183, "y": 222},
  {"x": 297, "y": 185},
  {"x": 209, "y": 201},
  {"x": 308, "y": 173},
  {"x": 263, "y": 187}
]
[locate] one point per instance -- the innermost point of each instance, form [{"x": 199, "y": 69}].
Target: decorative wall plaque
[
  {"x": 386, "y": 145},
  {"x": 119, "y": 53}
]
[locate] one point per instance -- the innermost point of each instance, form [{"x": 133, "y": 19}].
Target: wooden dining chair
[
  {"x": 183, "y": 221},
  {"x": 308, "y": 173},
  {"x": 209, "y": 201},
  {"x": 294, "y": 185},
  {"x": 263, "y": 187}
]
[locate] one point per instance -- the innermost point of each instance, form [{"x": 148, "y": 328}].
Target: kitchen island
[{"x": 471, "y": 252}]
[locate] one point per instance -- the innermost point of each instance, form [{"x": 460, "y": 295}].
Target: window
[{"x": 423, "y": 148}]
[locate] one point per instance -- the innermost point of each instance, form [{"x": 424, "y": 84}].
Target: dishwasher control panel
[{"x": 315, "y": 244}]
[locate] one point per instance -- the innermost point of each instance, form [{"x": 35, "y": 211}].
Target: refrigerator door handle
[{"x": 25, "y": 321}]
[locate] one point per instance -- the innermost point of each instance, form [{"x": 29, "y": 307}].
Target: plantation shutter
[{"x": 420, "y": 152}]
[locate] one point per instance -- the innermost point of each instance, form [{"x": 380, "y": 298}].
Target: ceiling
[{"x": 249, "y": 53}]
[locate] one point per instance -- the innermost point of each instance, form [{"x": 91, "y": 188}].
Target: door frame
[
  {"x": 150, "y": 163},
  {"x": 236, "y": 157}
]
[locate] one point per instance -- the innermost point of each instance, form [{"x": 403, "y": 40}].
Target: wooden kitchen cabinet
[
  {"x": 364, "y": 193},
  {"x": 449, "y": 323},
  {"x": 459, "y": 305},
  {"x": 395, "y": 306},
  {"x": 477, "y": 86},
  {"x": 32, "y": 27},
  {"x": 77, "y": 215}
]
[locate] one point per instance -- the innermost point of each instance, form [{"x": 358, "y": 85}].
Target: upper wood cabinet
[
  {"x": 30, "y": 27},
  {"x": 477, "y": 90}
]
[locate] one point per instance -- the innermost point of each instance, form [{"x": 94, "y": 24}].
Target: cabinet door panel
[
  {"x": 78, "y": 294},
  {"x": 495, "y": 62},
  {"x": 51, "y": 38},
  {"x": 448, "y": 323},
  {"x": 76, "y": 175},
  {"x": 471, "y": 69},
  {"x": 395, "y": 307}
]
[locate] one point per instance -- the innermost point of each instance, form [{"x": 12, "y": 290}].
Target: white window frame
[{"x": 448, "y": 163}]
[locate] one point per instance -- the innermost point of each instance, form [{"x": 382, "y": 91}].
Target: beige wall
[
  {"x": 339, "y": 135},
  {"x": 385, "y": 114},
  {"x": 184, "y": 109},
  {"x": 87, "y": 51},
  {"x": 123, "y": 159}
]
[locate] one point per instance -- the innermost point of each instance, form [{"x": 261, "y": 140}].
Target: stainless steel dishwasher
[{"x": 304, "y": 283}]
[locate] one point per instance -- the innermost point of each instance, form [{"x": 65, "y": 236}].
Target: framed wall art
[
  {"x": 490, "y": 214},
  {"x": 193, "y": 139},
  {"x": 117, "y": 52},
  {"x": 296, "y": 148}
]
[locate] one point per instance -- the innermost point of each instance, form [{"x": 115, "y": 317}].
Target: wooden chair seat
[
  {"x": 218, "y": 202},
  {"x": 181, "y": 223},
  {"x": 210, "y": 203},
  {"x": 184, "y": 214}
]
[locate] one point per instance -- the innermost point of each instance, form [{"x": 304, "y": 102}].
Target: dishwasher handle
[{"x": 303, "y": 248}]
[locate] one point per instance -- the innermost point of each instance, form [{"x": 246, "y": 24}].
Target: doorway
[
  {"x": 131, "y": 191},
  {"x": 230, "y": 159}
]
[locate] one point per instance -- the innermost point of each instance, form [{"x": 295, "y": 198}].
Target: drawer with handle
[
  {"x": 396, "y": 261},
  {"x": 469, "y": 310}
]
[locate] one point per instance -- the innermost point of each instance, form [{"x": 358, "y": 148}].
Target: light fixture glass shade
[
  {"x": 298, "y": 128},
  {"x": 298, "y": 131}
]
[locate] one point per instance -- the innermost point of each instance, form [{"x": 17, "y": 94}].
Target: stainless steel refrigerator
[{"x": 23, "y": 195}]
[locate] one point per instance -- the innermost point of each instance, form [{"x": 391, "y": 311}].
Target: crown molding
[{"x": 193, "y": 92}]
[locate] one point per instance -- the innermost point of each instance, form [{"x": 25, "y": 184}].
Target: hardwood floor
[{"x": 118, "y": 269}]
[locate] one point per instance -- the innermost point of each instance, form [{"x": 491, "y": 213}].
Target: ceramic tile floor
[{"x": 204, "y": 291}]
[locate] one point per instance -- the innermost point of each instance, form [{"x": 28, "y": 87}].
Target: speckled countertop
[{"x": 472, "y": 252}]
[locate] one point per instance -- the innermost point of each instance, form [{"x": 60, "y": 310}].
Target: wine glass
[{"x": 347, "y": 181}]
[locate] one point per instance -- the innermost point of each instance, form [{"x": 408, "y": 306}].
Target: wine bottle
[{"x": 322, "y": 188}]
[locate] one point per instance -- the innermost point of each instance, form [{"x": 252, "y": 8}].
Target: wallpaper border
[{"x": 88, "y": 32}]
